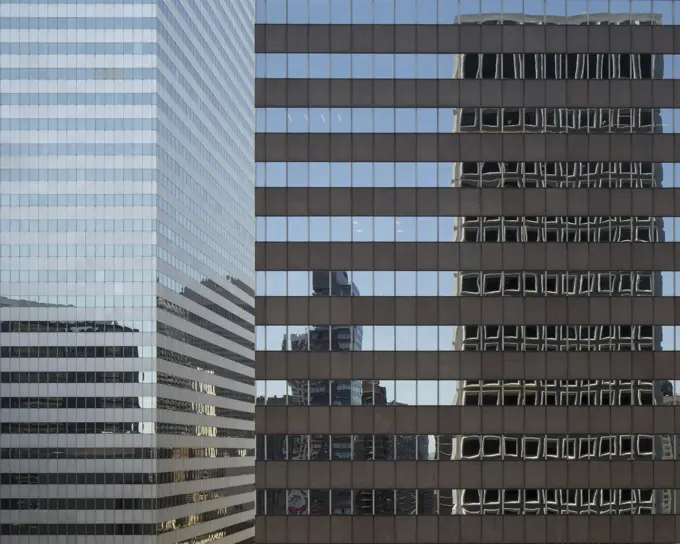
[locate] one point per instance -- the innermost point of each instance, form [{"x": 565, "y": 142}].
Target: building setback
[
  {"x": 499, "y": 190},
  {"x": 126, "y": 272}
]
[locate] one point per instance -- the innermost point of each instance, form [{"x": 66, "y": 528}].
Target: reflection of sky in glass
[
  {"x": 388, "y": 283},
  {"x": 382, "y": 120},
  {"x": 358, "y": 174},
  {"x": 444, "y": 11},
  {"x": 375, "y": 338}
]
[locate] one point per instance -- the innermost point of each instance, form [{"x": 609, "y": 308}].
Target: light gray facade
[{"x": 126, "y": 271}]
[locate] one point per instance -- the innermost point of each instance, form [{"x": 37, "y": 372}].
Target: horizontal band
[
  {"x": 457, "y": 420},
  {"x": 468, "y": 256},
  {"x": 466, "y": 38},
  {"x": 402, "y": 147},
  {"x": 469, "y": 93},
  {"x": 553, "y": 529},
  {"x": 459, "y": 365},
  {"x": 467, "y": 310},
  {"x": 454, "y": 474},
  {"x": 459, "y": 201}
]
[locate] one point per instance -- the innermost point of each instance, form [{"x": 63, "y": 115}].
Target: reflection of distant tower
[
  {"x": 328, "y": 338},
  {"x": 529, "y": 336},
  {"x": 375, "y": 448},
  {"x": 323, "y": 337}
]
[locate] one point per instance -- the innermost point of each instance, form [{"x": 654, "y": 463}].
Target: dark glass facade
[{"x": 484, "y": 193}]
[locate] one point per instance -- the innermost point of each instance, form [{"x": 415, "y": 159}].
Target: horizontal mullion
[
  {"x": 464, "y": 201},
  {"x": 466, "y": 365},
  {"x": 548, "y": 529},
  {"x": 488, "y": 147},
  {"x": 469, "y": 93},
  {"x": 457, "y": 420},
  {"x": 468, "y": 473},
  {"x": 467, "y": 310},
  {"x": 468, "y": 256},
  {"x": 464, "y": 38}
]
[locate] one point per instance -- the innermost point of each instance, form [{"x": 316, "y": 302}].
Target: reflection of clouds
[{"x": 362, "y": 230}]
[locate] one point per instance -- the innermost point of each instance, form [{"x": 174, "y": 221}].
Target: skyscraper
[
  {"x": 126, "y": 271},
  {"x": 498, "y": 178}
]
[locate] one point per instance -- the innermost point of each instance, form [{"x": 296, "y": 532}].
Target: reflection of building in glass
[
  {"x": 339, "y": 447},
  {"x": 66, "y": 351},
  {"x": 413, "y": 501},
  {"x": 670, "y": 447},
  {"x": 325, "y": 392},
  {"x": 272, "y": 448},
  {"x": 371, "y": 448},
  {"x": 578, "y": 333},
  {"x": 131, "y": 388}
]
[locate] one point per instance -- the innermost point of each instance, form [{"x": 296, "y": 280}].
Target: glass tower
[{"x": 126, "y": 271}]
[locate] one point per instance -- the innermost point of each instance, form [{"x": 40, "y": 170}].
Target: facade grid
[{"x": 495, "y": 183}]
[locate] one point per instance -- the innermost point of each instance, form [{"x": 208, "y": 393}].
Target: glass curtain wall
[
  {"x": 127, "y": 286},
  {"x": 492, "y": 183}
]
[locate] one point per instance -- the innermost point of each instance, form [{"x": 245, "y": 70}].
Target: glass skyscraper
[{"x": 126, "y": 271}]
